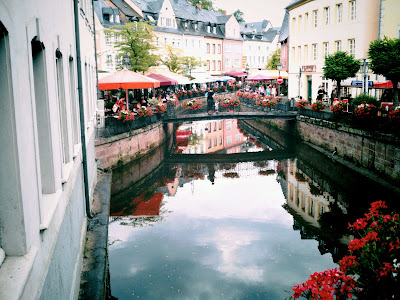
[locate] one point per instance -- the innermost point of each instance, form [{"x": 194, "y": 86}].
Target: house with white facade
[
  {"x": 321, "y": 27},
  {"x": 48, "y": 169},
  {"x": 260, "y": 39}
]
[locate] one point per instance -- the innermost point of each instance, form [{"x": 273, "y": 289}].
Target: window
[
  {"x": 209, "y": 143},
  {"x": 74, "y": 104},
  {"x": 219, "y": 125},
  {"x": 293, "y": 24},
  {"x": 107, "y": 36},
  {"x": 213, "y": 48},
  {"x": 299, "y": 54},
  {"x": 327, "y": 15},
  {"x": 109, "y": 61},
  {"x": 229, "y": 140},
  {"x": 353, "y": 10},
  {"x": 306, "y": 22},
  {"x": 208, "y": 47},
  {"x": 219, "y": 65},
  {"x": 215, "y": 126},
  {"x": 293, "y": 53},
  {"x": 215, "y": 29},
  {"x": 208, "y": 65},
  {"x": 213, "y": 65},
  {"x": 315, "y": 51},
  {"x": 352, "y": 47},
  {"x": 186, "y": 43},
  {"x": 315, "y": 18},
  {"x": 227, "y": 62},
  {"x": 338, "y": 46},
  {"x": 169, "y": 22},
  {"x": 228, "y": 125},
  {"x": 311, "y": 211},
  {"x": 237, "y": 62},
  {"x": 196, "y": 26},
  {"x": 220, "y": 140},
  {"x": 238, "y": 137},
  {"x": 326, "y": 49},
  {"x": 305, "y": 53},
  {"x": 62, "y": 107},
  {"x": 300, "y": 23},
  {"x": 227, "y": 47},
  {"x": 215, "y": 142},
  {"x": 219, "y": 48},
  {"x": 208, "y": 28},
  {"x": 339, "y": 10}
]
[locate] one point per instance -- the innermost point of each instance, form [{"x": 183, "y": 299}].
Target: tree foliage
[
  {"x": 238, "y": 14},
  {"x": 385, "y": 60},
  {"x": 135, "y": 40},
  {"x": 205, "y": 4},
  {"x": 190, "y": 63},
  {"x": 339, "y": 66},
  {"x": 172, "y": 59},
  {"x": 273, "y": 60}
]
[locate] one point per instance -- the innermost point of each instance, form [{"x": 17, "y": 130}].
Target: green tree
[
  {"x": 135, "y": 40},
  {"x": 273, "y": 60},
  {"x": 205, "y": 4},
  {"x": 385, "y": 60},
  {"x": 339, "y": 66},
  {"x": 238, "y": 14},
  {"x": 190, "y": 63},
  {"x": 172, "y": 59}
]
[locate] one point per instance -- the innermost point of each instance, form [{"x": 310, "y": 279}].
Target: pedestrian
[
  {"x": 273, "y": 91},
  {"x": 210, "y": 101},
  {"x": 216, "y": 106},
  {"x": 321, "y": 92},
  {"x": 268, "y": 91}
]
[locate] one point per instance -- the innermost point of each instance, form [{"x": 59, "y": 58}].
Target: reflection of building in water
[
  {"x": 214, "y": 136},
  {"x": 304, "y": 196},
  {"x": 232, "y": 136}
]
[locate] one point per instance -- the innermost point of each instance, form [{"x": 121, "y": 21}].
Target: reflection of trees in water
[{"x": 194, "y": 139}]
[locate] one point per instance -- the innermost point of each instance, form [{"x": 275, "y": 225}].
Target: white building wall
[
  {"x": 42, "y": 216},
  {"x": 257, "y": 53},
  {"x": 303, "y": 34}
]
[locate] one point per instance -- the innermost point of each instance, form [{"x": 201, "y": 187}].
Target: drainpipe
[
  {"x": 95, "y": 53},
  {"x": 380, "y": 19},
  {"x": 81, "y": 110}
]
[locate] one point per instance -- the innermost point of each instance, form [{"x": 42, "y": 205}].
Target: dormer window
[
  {"x": 111, "y": 18},
  {"x": 117, "y": 19},
  {"x": 106, "y": 17},
  {"x": 196, "y": 26},
  {"x": 186, "y": 25},
  {"x": 215, "y": 29},
  {"x": 208, "y": 28}
]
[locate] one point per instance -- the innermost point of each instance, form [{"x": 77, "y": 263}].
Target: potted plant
[
  {"x": 365, "y": 111},
  {"x": 144, "y": 112},
  {"x": 338, "y": 107},
  {"x": 318, "y": 106}
]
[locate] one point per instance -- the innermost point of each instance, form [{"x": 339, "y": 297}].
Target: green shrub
[{"x": 364, "y": 98}]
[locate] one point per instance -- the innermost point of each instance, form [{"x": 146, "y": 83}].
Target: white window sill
[
  {"x": 48, "y": 205},
  {"x": 14, "y": 274}
]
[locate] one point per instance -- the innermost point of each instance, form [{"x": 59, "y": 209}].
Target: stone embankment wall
[
  {"x": 122, "y": 148},
  {"x": 377, "y": 152}
]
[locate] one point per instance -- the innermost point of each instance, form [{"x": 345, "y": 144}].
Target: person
[
  {"x": 268, "y": 91},
  {"x": 321, "y": 92},
  {"x": 216, "y": 106},
  {"x": 273, "y": 91},
  {"x": 210, "y": 100}
]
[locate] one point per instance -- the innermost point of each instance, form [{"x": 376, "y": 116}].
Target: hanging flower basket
[
  {"x": 338, "y": 107},
  {"x": 126, "y": 116},
  {"x": 365, "y": 111},
  {"x": 193, "y": 104},
  {"x": 145, "y": 112},
  {"x": 318, "y": 106},
  {"x": 301, "y": 104},
  {"x": 228, "y": 102},
  {"x": 160, "y": 108}
]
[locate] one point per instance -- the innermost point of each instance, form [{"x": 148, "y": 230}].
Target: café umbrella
[{"x": 126, "y": 79}]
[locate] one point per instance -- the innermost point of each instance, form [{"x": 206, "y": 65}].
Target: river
[{"x": 230, "y": 213}]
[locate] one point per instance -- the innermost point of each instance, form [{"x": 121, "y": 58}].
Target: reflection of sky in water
[{"x": 231, "y": 240}]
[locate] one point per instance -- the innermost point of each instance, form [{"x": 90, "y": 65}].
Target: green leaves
[
  {"x": 273, "y": 60},
  {"x": 385, "y": 58},
  {"x": 340, "y": 65}
]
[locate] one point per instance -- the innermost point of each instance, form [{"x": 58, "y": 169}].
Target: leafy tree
[
  {"x": 190, "y": 63},
  {"x": 273, "y": 60},
  {"x": 385, "y": 60},
  {"x": 135, "y": 40},
  {"x": 205, "y": 4},
  {"x": 339, "y": 66},
  {"x": 238, "y": 14},
  {"x": 172, "y": 59}
]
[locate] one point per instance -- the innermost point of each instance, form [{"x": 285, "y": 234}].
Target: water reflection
[{"x": 226, "y": 230}]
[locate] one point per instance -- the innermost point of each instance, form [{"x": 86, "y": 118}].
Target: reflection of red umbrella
[
  {"x": 259, "y": 77},
  {"x": 164, "y": 80},
  {"x": 126, "y": 79}
]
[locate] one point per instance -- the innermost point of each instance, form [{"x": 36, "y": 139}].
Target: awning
[
  {"x": 259, "y": 77},
  {"x": 236, "y": 74},
  {"x": 274, "y": 74},
  {"x": 164, "y": 80},
  {"x": 383, "y": 85},
  {"x": 202, "y": 78},
  {"x": 126, "y": 79}
]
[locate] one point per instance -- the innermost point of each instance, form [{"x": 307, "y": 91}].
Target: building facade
[
  {"x": 389, "y": 24},
  {"x": 318, "y": 28},
  {"x": 42, "y": 178}
]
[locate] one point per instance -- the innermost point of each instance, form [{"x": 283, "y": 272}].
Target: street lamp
[
  {"x": 364, "y": 71},
  {"x": 279, "y": 67},
  {"x": 125, "y": 62}
]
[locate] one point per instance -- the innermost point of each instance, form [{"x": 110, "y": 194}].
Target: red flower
[
  {"x": 356, "y": 244},
  {"x": 384, "y": 271},
  {"x": 347, "y": 262}
]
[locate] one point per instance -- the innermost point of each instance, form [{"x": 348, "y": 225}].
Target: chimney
[
  {"x": 198, "y": 5},
  {"x": 224, "y": 12}
]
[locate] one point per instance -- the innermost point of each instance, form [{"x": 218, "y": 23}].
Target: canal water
[{"x": 230, "y": 213}]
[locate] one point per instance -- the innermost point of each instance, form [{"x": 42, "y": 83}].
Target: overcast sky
[{"x": 256, "y": 10}]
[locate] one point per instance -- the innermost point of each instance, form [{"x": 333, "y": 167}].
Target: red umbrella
[
  {"x": 126, "y": 79},
  {"x": 164, "y": 80},
  {"x": 259, "y": 77}
]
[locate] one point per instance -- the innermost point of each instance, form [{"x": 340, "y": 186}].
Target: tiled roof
[
  {"x": 101, "y": 8},
  {"x": 254, "y": 27},
  {"x": 125, "y": 8},
  {"x": 284, "y": 33},
  {"x": 267, "y": 36},
  {"x": 294, "y": 2}
]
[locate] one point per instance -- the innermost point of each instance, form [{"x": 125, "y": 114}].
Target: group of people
[{"x": 268, "y": 90}]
